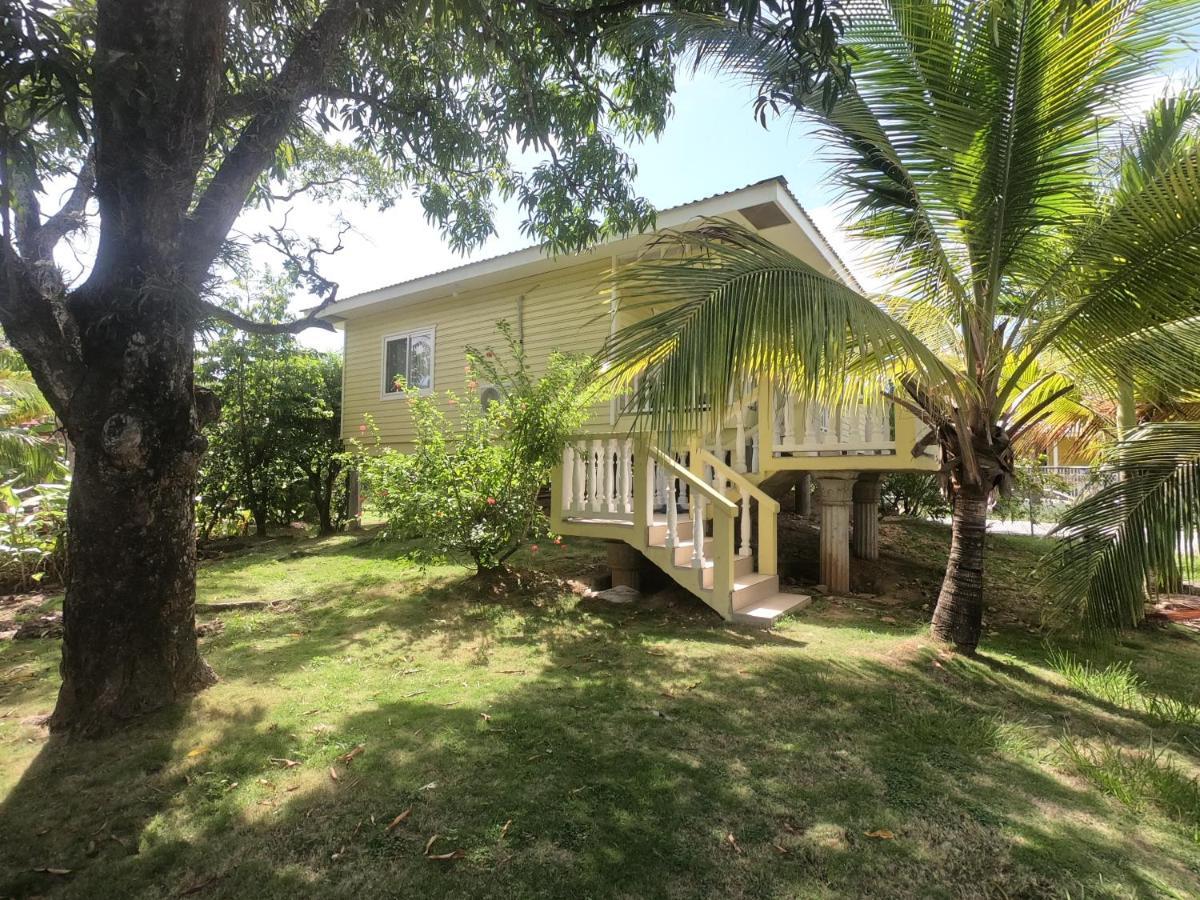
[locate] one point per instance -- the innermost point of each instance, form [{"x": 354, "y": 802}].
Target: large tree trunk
[
  {"x": 958, "y": 616},
  {"x": 129, "y": 642}
]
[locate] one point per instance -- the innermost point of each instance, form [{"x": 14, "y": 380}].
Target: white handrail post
[
  {"x": 744, "y": 548},
  {"x": 755, "y": 453},
  {"x": 626, "y": 473},
  {"x": 609, "y": 453},
  {"x": 580, "y": 480},
  {"x": 672, "y": 512},
  {"x": 739, "y": 449},
  {"x": 568, "y": 478},
  {"x": 594, "y": 466},
  {"x": 789, "y": 423},
  {"x": 698, "y": 533}
]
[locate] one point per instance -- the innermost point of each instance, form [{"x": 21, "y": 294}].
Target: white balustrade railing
[
  {"x": 804, "y": 427},
  {"x": 597, "y": 478}
]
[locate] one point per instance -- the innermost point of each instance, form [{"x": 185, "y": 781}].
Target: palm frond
[
  {"x": 723, "y": 306},
  {"x": 1118, "y": 543}
]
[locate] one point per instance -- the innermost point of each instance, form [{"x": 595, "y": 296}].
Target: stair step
[
  {"x": 656, "y": 534},
  {"x": 750, "y": 589},
  {"x": 770, "y": 608}
]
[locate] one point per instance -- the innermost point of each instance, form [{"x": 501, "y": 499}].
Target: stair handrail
[
  {"x": 768, "y": 511},
  {"x": 719, "y": 501},
  {"x": 724, "y": 511}
]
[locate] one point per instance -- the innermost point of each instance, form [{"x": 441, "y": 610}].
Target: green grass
[{"x": 575, "y": 752}]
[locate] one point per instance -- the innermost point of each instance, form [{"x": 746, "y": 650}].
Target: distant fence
[{"x": 1080, "y": 480}]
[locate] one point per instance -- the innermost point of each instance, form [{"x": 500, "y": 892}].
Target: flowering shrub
[{"x": 470, "y": 486}]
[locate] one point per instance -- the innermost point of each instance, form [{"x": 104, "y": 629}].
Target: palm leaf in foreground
[
  {"x": 723, "y": 304},
  {"x": 1121, "y": 541}
]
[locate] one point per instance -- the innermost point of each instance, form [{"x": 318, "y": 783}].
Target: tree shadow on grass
[{"x": 627, "y": 757}]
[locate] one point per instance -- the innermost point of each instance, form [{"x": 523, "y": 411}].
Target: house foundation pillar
[
  {"x": 625, "y": 564},
  {"x": 834, "y": 505},
  {"x": 866, "y": 516},
  {"x": 804, "y": 495}
]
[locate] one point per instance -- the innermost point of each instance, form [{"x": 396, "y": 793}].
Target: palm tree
[
  {"x": 1117, "y": 544},
  {"x": 984, "y": 157}
]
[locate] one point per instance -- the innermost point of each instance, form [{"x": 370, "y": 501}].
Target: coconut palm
[
  {"x": 1117, "y": 544},
  {"x": 983, "y": 155}
]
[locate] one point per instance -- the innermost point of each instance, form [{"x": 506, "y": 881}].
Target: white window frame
[{"x": 431, "y": 331}]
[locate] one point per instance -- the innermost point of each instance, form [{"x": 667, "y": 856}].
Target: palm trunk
[{"x": 958, "y": 616}]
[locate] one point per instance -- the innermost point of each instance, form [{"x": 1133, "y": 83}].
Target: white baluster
[
  {"x": 698, "y": 533},
  {"x": 660, "y": 487},
  {"x": 803, "y": 419},
  {"x": 626, "y": 476},
  {"x": 744, "y": 549},
  {"x": 568, "y": 485},
  {"x": 672, "y": 512},
  {"x": 739, "y": 449},
  {"x": 610, "y": 450},
  {"x": 594, "y": 465},
  {"x": 577, "y": 497},
  {"x": 789, "y": 424},
  {"x": 754, "y": 451}
]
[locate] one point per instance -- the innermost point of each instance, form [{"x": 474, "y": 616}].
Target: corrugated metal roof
[{"x": 486, "y": 259}]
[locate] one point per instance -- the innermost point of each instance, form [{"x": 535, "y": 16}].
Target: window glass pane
[
  {"x": 420, "y": 362},
  {"x": 396, "y": 364}
]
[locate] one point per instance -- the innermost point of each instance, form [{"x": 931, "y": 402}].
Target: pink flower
[
  {"x": 491, "y": 501},
  {"x": 533, "y": 548},
  {"x": 362, "y": 429},
  {"x": 472, "y": 385},
  {"x": 558, "y": 540}
]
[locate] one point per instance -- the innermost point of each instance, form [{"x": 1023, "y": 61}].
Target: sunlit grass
[{"x": 570, "y": 751}]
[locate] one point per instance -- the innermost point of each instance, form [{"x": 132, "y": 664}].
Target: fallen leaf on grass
[
  {"x": 781, "y": 850},
  {"x": 429, "y": 787},
  {"x": 732, "y": 842},
  {"x": 442, "y": 857},
  {"x": 50, "y": 870},
  {"x": 333, "y": 775},
  {"x": 286, "y": 763},
  {"x": 197, "y": 886},
  {"x": 198, "y": 751},
  {"x": 881, "y": 833},
  {"x": 485, "y": 717},
  {"x": 348, "y": 758},
  {"x": 396, "y": 822},
  {"x": 504, "y": 830}
]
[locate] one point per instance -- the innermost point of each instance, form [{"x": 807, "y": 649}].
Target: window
[
  {"x": 488, "y": 395},
  {"x": 408, "y": 359}
]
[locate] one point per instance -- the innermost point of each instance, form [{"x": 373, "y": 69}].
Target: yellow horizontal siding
[{"x": 564, "y": 310}]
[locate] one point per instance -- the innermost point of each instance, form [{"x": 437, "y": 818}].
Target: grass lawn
[{"x": 558, "y": 750}]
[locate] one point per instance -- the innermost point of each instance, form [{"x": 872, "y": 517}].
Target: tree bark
[
  {"x": 958, "y": 616},
  {"x": 129, "y": 642}
]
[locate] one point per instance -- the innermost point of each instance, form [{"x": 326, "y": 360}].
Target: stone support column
[
  {"x": 834, "y": 504},
  {"x": 866, "y": 516}
]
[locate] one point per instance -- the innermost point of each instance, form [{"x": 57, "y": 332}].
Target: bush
[
  {"x": 913, "y": 494},
  {"x": 470, "y": 487},
  {"x": 274, "y": 455},
  {"x": 32, "y": 531}
]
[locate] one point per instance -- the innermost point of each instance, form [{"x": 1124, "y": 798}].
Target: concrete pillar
[
  {"x": 866, "y": 516},
  {"x": 804, "y": 495},
  {"x": 834, "y": 505},
  {"x": 625, "y": 563}
]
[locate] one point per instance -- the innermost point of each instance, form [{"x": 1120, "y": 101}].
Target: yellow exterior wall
[{"x": 565, "y": 310}]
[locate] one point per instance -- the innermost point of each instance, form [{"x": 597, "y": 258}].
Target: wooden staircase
[{"x": 690, "y": 516}]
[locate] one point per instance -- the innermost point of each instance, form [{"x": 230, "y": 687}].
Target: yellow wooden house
[{"x": 706, "y": 514}]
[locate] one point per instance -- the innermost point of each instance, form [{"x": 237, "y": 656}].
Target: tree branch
[
  {"x": 226, "y": 194},
  {"x": 295, "y": 326}
]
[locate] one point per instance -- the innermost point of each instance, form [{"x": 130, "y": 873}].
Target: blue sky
[{"x": 711, "y": 144}]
